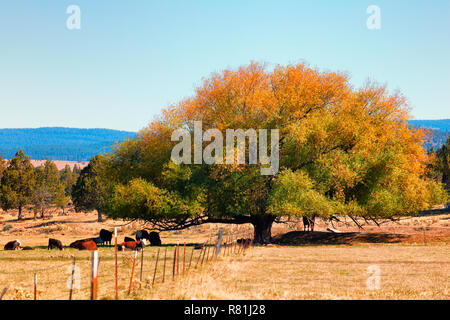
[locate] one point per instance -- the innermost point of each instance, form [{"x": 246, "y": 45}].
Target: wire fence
[{"x": 107, "y": 276}]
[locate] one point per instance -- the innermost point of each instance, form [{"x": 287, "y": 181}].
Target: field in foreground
[
  {"x": 318, "y": 272},
  {"x": 411, "y": 255}
]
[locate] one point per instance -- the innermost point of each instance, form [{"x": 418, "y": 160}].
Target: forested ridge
[{"x": 59, "y": 143}]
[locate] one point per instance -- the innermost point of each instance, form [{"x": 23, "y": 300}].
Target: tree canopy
[{"x": 342, "y": 151}]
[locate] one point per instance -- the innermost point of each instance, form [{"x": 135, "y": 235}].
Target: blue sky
[{"x": 130, "y": 59}]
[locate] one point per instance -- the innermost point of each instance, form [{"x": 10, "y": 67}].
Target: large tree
[
  {"x": 17, "y": 183},
  {"x": 48, "y": 187},
  {"x": 342, "y": 151},
  {"x": 92, "y": 188}
]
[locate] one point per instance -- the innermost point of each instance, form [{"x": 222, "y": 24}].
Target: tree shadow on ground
[{"x": 330, "y": 238}]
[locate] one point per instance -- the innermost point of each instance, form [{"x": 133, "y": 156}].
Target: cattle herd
[{"x": 104, "y": 238}]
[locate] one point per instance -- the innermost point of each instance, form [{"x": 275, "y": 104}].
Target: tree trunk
[
  {"x": 19, "y": 217},
  {"x": 99, "y": 219},
  {"x": 42, "y": 212},
  {"x": 263, "y": 228},
  {"x": 63, "y": 212}
]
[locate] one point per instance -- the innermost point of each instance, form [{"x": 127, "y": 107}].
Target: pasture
[{"x": 412, "y": 257}]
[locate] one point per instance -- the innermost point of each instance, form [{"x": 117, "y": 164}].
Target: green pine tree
[{"x": 17, "y": 184}]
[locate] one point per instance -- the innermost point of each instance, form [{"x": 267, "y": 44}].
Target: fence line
[{"x": 107, "y": 284}]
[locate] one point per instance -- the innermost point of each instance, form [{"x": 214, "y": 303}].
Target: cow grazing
[
  {"x": 86, "y": 244},
  {"x": 308, "y": 223},
  {"x": 131, "y": 245},
  {"x": 126, "y": 239},
  {"x": 106, "y": 236},
  {"x": 13, "y": 245},
  {"x": 54, "y": 243}
]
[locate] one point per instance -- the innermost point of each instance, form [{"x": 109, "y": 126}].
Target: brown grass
[{"x": 413, "y": 264}]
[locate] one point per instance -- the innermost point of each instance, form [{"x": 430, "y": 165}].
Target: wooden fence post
[
  {"x": 178, "y": 257},
  {"x": 164, "y": 268},
  {"x": 156, "y": 266},
  {"x": 94, "y": 275},
  {"x": 190, "y": 260},
  {"x": 3, "y": 293},
  {"x": 72, "y": 278},
  {"x": 204, "y": 252},
  {"x": 207, "y": 255},
  {"x": 184, "y": 255},
  {"x": 132, "y": 271},
  {"x": 198, "y": 259},
  {"x": 174, "y": 262},
  {"x": 35, "y": 286},
  {"x": 142, "y": 262},
  {"x": 115, "y": 254}
]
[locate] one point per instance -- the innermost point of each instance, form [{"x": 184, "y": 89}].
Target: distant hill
[
  {"x": 439, "y": 128},
  {"x": 440, "y": 125},
  {"x": 56, "y": 143}
]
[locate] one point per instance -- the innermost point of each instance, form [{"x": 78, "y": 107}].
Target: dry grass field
[{"x": 412, "y": 256}]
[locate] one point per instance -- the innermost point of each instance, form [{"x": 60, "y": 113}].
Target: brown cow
[
  {"x": 54, "y": 243},
  {"x": 86, "y": 244},
  {"x": 13, "y": 245},
  {"x": 131, "y": 245}
]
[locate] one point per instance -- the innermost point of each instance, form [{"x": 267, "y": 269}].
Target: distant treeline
[{"x": 67, "y": 144}]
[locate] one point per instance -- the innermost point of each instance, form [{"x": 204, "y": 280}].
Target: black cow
[
  {"x": 12, "y": 245},
  {"x": 308, "y": 223},
  {"x": 154, "y": 239},
  {"x": 127, "y": 239},
  {"x": 54, "y": 243},
  {"x": 106, "y": 236}
]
